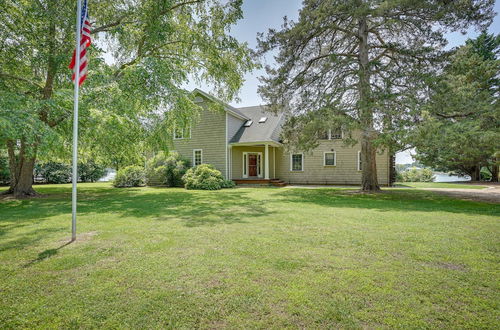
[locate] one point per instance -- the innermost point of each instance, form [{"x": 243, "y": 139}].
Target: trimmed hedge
[
  {"x": 130, "y": 176},
  {"x": 205, "y": 177}
]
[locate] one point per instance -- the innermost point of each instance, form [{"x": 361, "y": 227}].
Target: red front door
[{"x": 252, "y": 165}]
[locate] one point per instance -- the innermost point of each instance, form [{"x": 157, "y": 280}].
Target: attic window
[
  {"x": 262, "y": 119},
  {"x": 248, "y": 123}
]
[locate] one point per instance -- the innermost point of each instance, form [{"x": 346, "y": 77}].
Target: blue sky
[{"x": 261, "y": 15}]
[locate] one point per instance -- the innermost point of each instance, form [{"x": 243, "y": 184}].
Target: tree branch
[
  {"x": 7, "y": 75},
  {"x": 184, "y": 4},
  {"x": 457, "y": 115},
  {"x": 105, "y": 27},
  {"x": 120, "y": 19}
]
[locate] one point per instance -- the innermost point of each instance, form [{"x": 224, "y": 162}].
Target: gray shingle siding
[
  {"x": 209, "y": 134},
  {"x": 344, "y": 172},
  {"x": 233, "y": 125},
  {"x": 215, "y": 130}
]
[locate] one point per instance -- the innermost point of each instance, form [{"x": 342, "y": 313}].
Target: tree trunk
[
  {"x": 24, "y": 186},
  {"x": 494, "y": 171},
  {"x": 21, "y": 170},
  {"x": 475, "y": 173},
  {"x": 369, "y": 180}
]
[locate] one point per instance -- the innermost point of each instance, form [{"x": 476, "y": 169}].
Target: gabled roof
[
  {"x": 235, "y": 112},
  {"x": 267, "y": 131}
]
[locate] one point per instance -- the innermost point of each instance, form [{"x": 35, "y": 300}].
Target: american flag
[{"x": 85, "y": 42}]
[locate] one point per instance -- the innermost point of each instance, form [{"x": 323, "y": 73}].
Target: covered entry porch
[{"x": 253, "y": 161}]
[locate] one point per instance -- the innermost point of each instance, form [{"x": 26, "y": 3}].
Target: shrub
[
  {"x": 166, "y": 169},
  {"x": 416, "y": 175},
  {"x": 130, "y": 176},
  {"x": 485, "y": 174},
  {"x": 90, "y": 171},
  {"x": 228, "y": 184},
  {"x": 205, "y": 177},
  {"x": 53, "y": 172},
  {"x": 4, "y": 170}
]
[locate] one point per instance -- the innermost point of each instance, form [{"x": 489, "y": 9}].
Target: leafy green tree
[
  {"x": 361, "y": 64},
  {"x": 460, "y": 131},
  {"x": 156, "y": 45}
]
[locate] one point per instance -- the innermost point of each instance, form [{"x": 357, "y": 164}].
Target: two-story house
[{"x": 245, "y": 145}]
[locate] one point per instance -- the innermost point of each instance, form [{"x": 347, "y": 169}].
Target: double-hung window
[
  {"x": 297, "y": 162},
  {"x": 197, "y": 157},
  {"x": 182, "y": 133},
  {"x": 329, "y": 158},
  {"x": 360, "y": 164},
  {"x": 331, "y": 134},
  {"x": 335, "y": 134}
]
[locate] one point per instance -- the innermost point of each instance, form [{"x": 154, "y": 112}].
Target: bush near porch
[{"x": 205, "y": 177}]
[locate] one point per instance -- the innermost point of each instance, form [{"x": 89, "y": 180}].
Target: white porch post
[
  {"x": 230, "y": 163},
  {"x": 266, "y": 162}
]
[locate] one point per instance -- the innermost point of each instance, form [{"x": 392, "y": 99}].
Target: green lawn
[
  {"x": 438, "y": 185},
  {"x": 249, "y": 258}
]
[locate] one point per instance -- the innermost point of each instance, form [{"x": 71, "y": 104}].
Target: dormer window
[
  {"x": 331, "y": 135},
  {"x": 335, "y": 134},
  {"x": 248, "y": 123},
  {"x": 262, "y": 119}
]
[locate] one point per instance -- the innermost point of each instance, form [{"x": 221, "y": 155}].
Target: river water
[{"x": 443, "y": 177}]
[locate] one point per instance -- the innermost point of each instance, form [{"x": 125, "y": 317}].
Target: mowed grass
[
  {"x": 248, "y": 258},
  {"x": 439, "y": 185}
]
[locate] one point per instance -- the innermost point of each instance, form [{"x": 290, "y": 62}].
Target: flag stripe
[{"x": 85, "y": 42}]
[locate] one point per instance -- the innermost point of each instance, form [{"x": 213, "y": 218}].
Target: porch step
[
  {"x": 278, "y": 183},
  {"x": 274, "y": 182},
  {"x": 252, "y": 181}
]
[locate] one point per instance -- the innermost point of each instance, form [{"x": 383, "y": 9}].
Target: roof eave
[
  {"x": 227, "y": 107},
  {"x": 270, "y": 142}
]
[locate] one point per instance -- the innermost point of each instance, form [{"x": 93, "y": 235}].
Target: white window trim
[
  {"x": 183, "y": 137},
  {"x": 245, "y": 165},
  {"x": 359, "y": 159},
  {"x": 334, "y": 158},
  {"x": 291, "y": 162},
  {"x": 194, "y": 156},
  {"x": 329, "y": 135}
]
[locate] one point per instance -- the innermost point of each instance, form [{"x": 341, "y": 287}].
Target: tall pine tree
[
  {"x": 460, "y": 132},
  {"x": 360, "y": 64}
]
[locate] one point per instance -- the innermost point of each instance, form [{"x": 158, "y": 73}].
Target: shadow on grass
[
  {"x": 387, "y": 200},
  {"x": 402, "y": 185},
  {"x": 201, "y": 208},
  {"x": 46, "y": 254},
  {"x": 193, "y": 209}
]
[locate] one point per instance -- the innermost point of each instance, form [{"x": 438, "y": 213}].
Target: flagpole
[{"x": 75, "y": 119}]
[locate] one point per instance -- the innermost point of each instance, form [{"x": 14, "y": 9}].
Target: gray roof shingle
[{"x": 269, "y": 131}]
